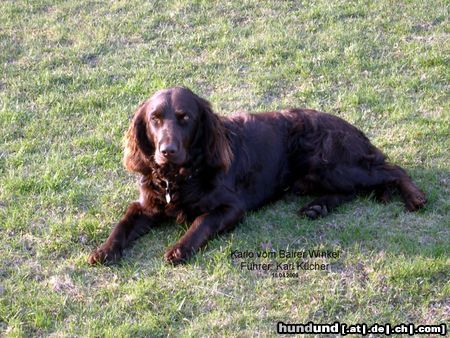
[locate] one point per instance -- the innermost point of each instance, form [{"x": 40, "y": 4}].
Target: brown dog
[{"x": 196, "y": 166}]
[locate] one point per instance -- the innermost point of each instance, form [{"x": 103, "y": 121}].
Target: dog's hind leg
[
  {"x": 413, "y": 197},
  {"x": 323, "y": 205},
  {"x": 343, "y": 182},
  {"x": 391, "y": 176}
]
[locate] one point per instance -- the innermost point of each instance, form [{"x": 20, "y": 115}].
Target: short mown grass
[{"x": 71, "y": 74}]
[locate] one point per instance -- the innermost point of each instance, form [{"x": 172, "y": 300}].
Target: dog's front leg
[
  {"x": 202, "y": 229},
  {"x": 135, "y": 223}
]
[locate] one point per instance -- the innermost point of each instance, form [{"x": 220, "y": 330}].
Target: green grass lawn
[{"x": 71, "y": 74}]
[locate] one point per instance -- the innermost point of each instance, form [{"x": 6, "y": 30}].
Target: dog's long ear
[
  {"x": 217, "y": 146},
  {"x": 137, "y": 144}
]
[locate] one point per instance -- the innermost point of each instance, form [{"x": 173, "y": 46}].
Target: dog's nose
[{"x": 168, "y": 149}]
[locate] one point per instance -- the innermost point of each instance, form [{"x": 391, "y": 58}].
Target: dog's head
[{"x": 168, "y": 126}]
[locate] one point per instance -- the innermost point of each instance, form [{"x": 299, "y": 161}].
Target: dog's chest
[{"x": 174, "y": 192}]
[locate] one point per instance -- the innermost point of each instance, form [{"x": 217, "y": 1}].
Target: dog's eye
[
  {"x": 155, "y": 118},
  {"x": 183, "y": 117}
]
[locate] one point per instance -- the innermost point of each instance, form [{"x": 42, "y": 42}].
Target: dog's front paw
[
  {"x": 177, "y": 254},
  {"x": 314, "y": 211},
  {"x": 103, "y": 255}
]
